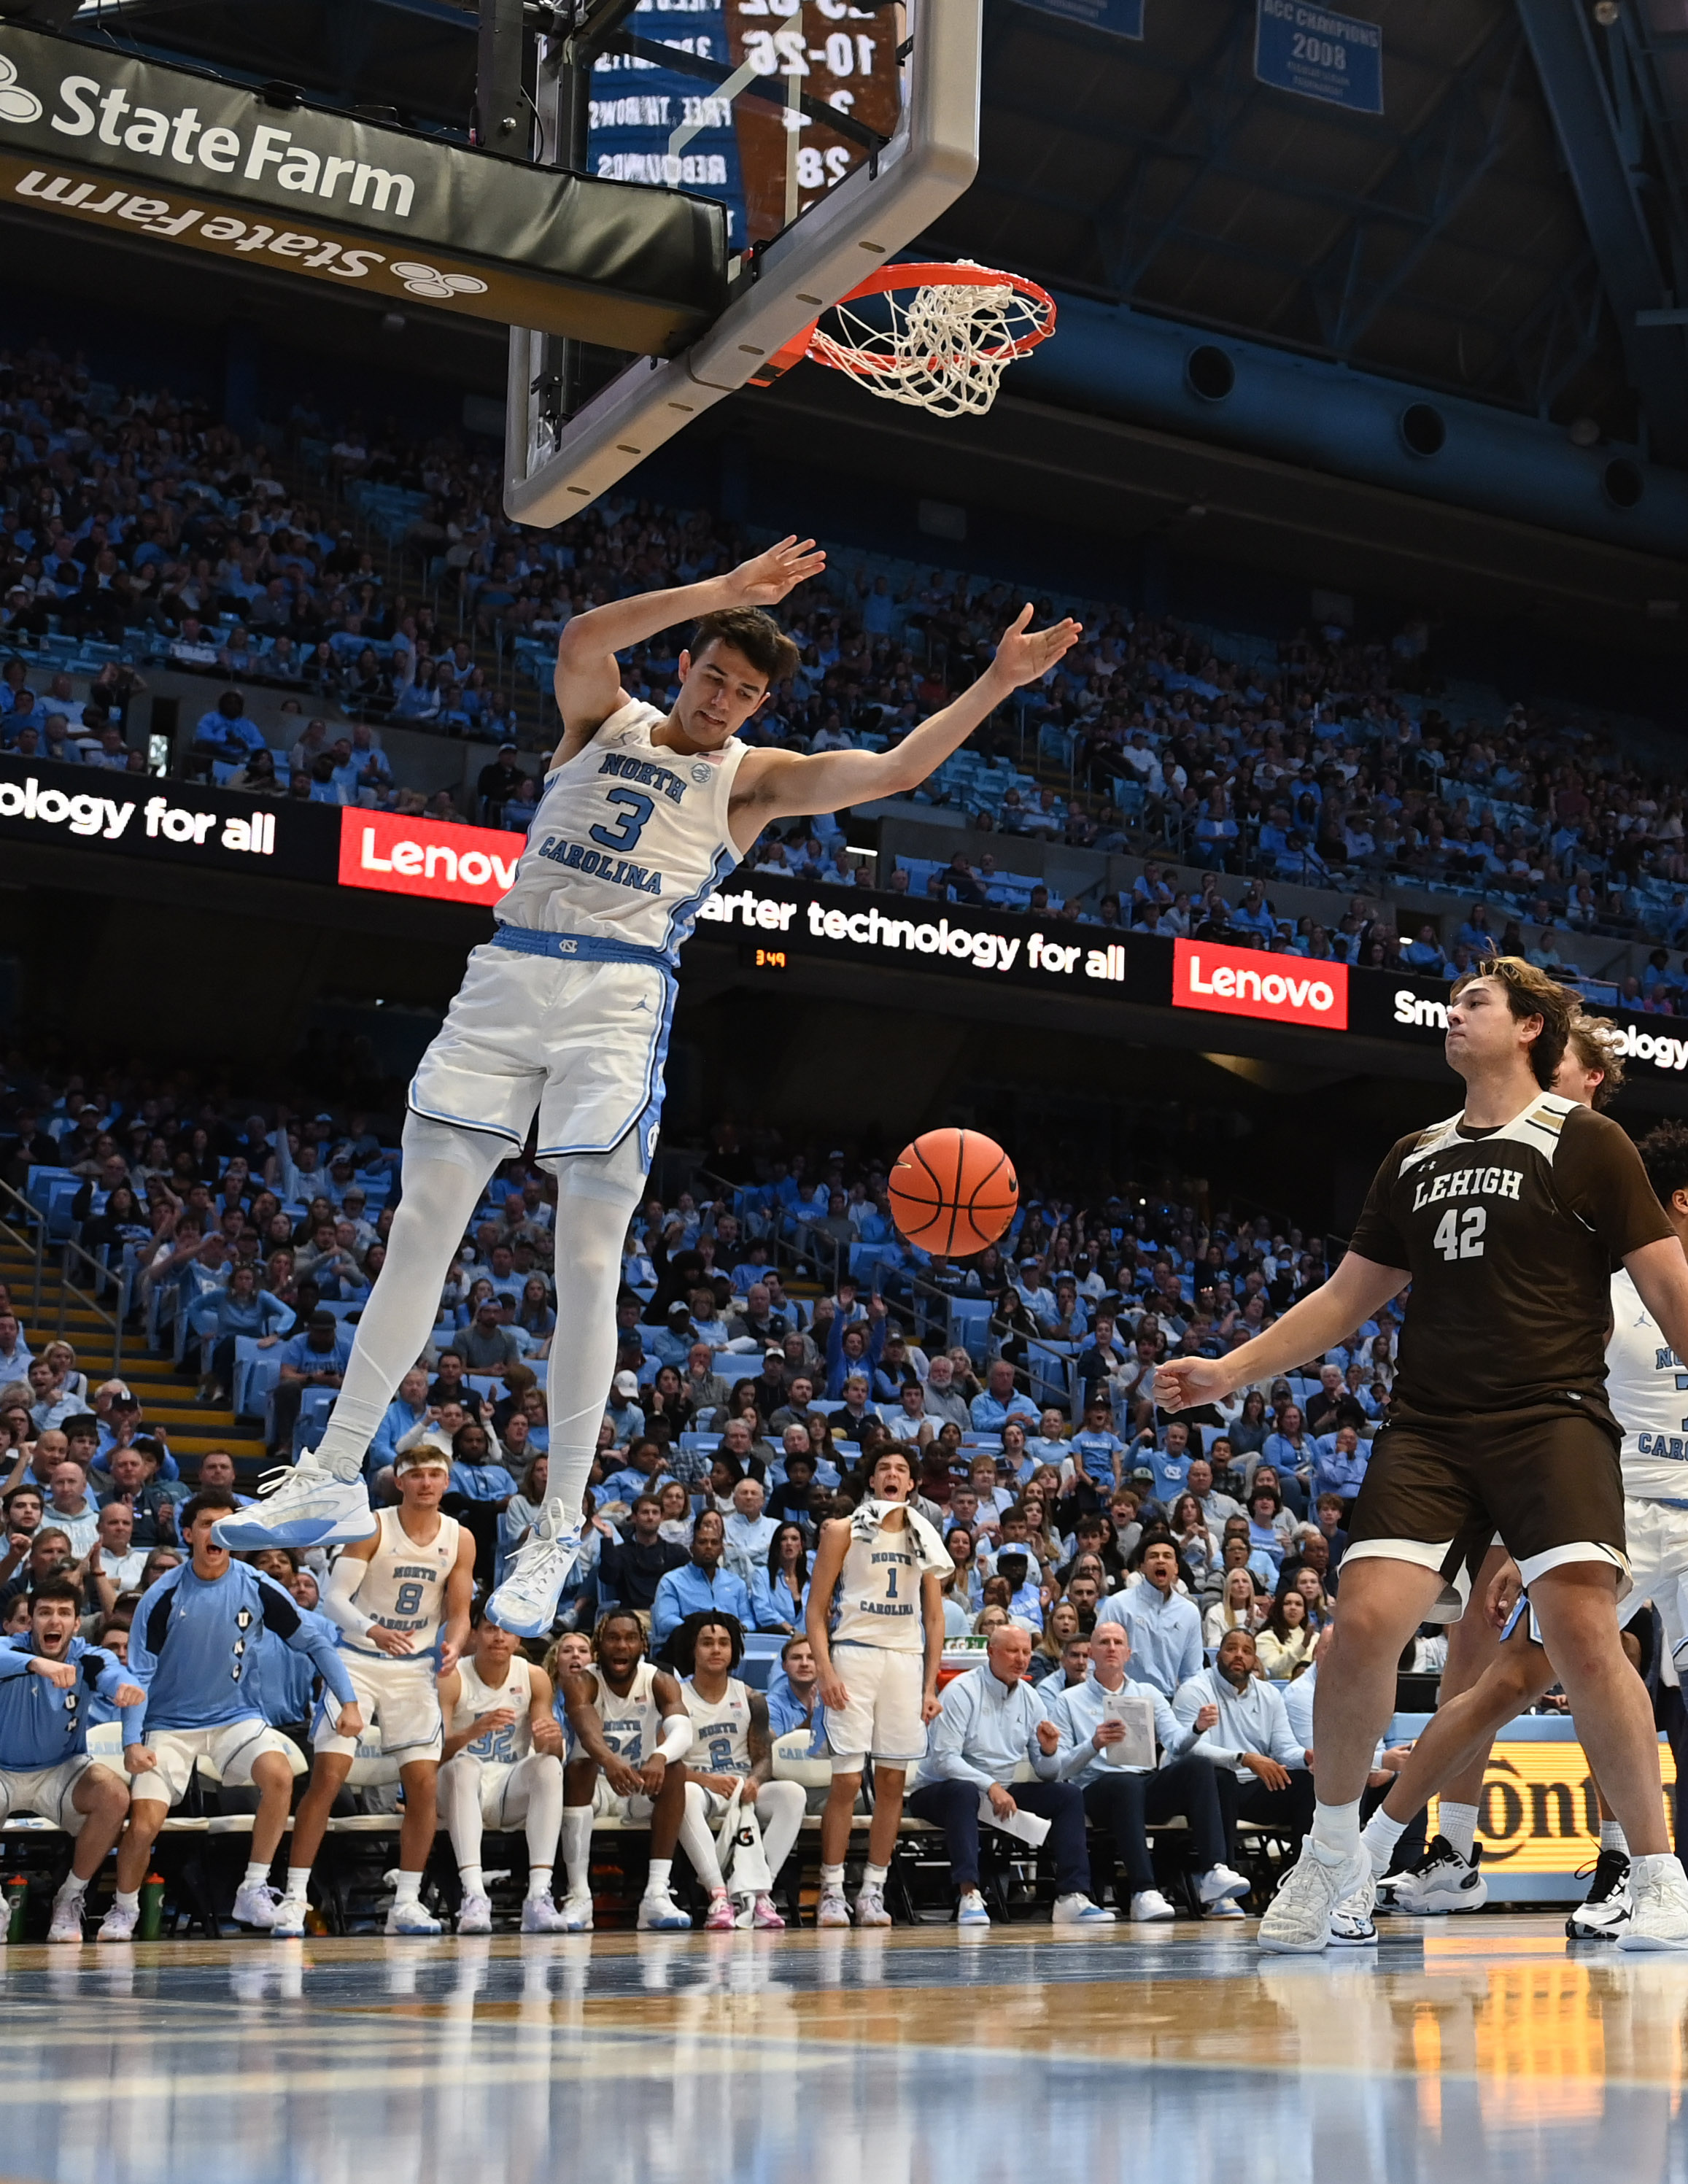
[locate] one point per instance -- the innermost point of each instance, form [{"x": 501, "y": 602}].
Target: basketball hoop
[{"x": 943, "y": 339}]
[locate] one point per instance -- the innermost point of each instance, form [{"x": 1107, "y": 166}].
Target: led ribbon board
[{"x": 93, "y": 134}]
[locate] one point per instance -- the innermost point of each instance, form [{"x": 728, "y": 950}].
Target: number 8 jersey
[
  {"x": 1510, "y": 1236},
  {"x": 628, "y": 838},
  {"x": 403, "y": 1588}
]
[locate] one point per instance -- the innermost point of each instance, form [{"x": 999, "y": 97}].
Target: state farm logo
[
  {"x": 1237, "y": 981},
  {"x": 426, "y": 857},
  {"x": 16, "y": 104}
]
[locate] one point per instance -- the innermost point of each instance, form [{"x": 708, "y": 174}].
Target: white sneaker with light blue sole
[
  {"x": 658, "y": 1913},
  {"x": 526, "y": 1601},
  {"x": 1080, "y": 1911},
  {"x": 412, "y": 1918},
  {"x": 300, "y": 1505},
  {"x": 970, "y": 1910}
]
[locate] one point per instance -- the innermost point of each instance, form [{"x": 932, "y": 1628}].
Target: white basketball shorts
[
  {"x": 46, "y": 1790},
  {"x": 231, "y": 1748},
  {"x": 582, "y": 1045},
  {"x": 882, "y": 1717},
  {"x": 506, "y": 1785},
  {"x": 1656, "y": 1536},
  {"x": 400, "y": 1695}
]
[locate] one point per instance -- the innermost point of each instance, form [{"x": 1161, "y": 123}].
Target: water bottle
[
  {"x": 17, "y": 1907},
  {"x": 151, "y": 1919}
]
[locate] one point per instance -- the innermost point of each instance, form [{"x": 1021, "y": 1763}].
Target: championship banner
[
  {"x": 91, "y": 134},
  {"x": 1320, "y": 54}
]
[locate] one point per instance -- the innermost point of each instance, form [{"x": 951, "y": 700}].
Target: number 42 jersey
[{"x": 1510, "y": 1236}]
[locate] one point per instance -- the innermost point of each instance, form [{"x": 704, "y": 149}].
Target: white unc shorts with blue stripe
[{"x": 581, "y": 1045}]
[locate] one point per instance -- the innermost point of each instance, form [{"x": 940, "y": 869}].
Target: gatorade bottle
[
  {"x": 17, "y": 1907},
  {"x": 151, "y": 1919}
]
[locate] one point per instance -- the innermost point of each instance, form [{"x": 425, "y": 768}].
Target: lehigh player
[{"x": 1507, "y": 1219}]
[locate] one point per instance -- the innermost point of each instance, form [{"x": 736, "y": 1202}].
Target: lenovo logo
[
  {"x": 425, "y": 856},
  {"x": 1238, "y": 982}
]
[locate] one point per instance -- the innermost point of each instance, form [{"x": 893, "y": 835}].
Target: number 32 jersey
[
  {"x": 628, "y": 837},
  {"x": 1510, "y": 1236}
]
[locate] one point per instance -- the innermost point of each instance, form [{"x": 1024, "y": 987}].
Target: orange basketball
[{"x": 953, "y": 1192}]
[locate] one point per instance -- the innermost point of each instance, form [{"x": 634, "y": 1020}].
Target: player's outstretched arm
[
  {"x": 1358, "y": 1287},
  {"x": 775, "y": 784},
  {"x": 588, "y": 681}
]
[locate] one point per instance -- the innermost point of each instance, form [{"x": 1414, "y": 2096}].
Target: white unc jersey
[
  {"x": 720, "y": 1733},
  {"x": 404, "y": 1586},
  {"x": 1647, "y": 1389},
  {"x": 628, "y": 839},
  {"x": 512, "y": 1742}
]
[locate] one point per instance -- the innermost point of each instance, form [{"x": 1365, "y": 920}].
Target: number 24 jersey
[{"x": 1510, "y": 1236}]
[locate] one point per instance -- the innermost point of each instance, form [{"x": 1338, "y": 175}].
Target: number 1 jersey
[{"x": 1510, "y": 1236}]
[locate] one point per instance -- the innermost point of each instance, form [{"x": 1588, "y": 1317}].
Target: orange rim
[{"x": 886, "y": 280}]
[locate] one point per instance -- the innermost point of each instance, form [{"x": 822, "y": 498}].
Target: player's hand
[
  {"x": 1273, "y": 1776},
  {"x": 747, "y": 1790},
  {"x": 722, "y": 1785},
  {"x": 930, "y": 1708},
  {"x": 1206, "y": 1718},
  {"x": 61, "y": 1672},
  {"x": 1182, "y": 1382},
  {"x": 450, "y": 1653},
  {"x": 138, "y": 1760},
  {"x": 625, "y": 1780},
  {"x": 499, "y": 1718},
  {"x": 1504, "y": 1588},
  {"x": 1107, "y": 1732},
  {"x": 764, "y": 579},
  {"x": 652, "y": 1775},
  {"x": 1002, "y": 1803},
  {"x": 397, "y": 1643},
  {"x": 833, "y": 1692},
  {"x": 1049, "y": 1739},
  {"x": 129, "y": 1695},
  {"x": 1024, "y": 654}
]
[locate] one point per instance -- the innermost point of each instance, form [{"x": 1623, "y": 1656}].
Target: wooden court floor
[{"x": 1459, "y": 2050}]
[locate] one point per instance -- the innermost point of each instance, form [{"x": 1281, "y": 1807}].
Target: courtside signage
[
  {"x": 429, "y": 857},
  {"x": 1240, "y": 982},
  {"x": 93, "y": 134}
]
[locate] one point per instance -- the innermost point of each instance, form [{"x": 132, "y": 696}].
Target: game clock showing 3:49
[{"x": 765, "y": 959}]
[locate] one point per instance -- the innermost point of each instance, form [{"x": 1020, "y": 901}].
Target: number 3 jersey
[
  {"x": 1510, "y": 1236},
  {"x": 628, "y": 837}
]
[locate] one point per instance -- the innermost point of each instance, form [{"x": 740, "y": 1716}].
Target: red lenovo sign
[
  {"x": 1239, "y": 982},
  {"x": 427, "y": 856}
]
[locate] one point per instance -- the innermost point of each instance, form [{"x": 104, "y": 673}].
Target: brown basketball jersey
[{"x": 1510, "y": 1236}]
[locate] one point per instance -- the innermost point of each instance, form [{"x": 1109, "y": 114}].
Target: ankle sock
[
  {"x": 1611, "y": 1837},
  {"x": 1380, "y": 1835},
  {"x": 1457, "y": 1825},
  {"x": 473, "y": 1879},
  {"x": 661, "y": 1868},
  {"x": 875, "y": 1876},
  {"x": 1336, "y": 1828}
]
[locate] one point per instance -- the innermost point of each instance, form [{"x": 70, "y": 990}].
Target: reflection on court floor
[{"x": 1480, "y": 2049}]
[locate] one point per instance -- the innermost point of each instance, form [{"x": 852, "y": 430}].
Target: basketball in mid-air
[{"x": 953, "y": 1192}]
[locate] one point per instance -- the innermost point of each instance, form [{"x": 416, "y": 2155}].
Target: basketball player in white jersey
[
  {"x": 562, "y": 1016},
  {"x": 875, "y": 1621},
  {"x": 400, "y": 1600},
  {"x": 731, "y": 1755},
  {"x": 632, "y": 1733},
  {"x": 502, "y": 1767},
  {"x": 1645, "y": 1386}
]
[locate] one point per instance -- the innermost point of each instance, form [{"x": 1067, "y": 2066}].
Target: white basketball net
[{"x": 945, "y": 348}]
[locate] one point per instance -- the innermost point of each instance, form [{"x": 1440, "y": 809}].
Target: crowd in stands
[
  {"x": 756, "y": 1383},
  {"x": 1316, "y": 758}
]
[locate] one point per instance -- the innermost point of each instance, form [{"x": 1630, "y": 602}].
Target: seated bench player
[
  {"x": 48, "y": 1678},
  {"x": 192, "y": 1647},
  {"x": 630, "y": 1734},
  {"x": 730, "y": 1757},
  {"x": 501, "y": 1767}
]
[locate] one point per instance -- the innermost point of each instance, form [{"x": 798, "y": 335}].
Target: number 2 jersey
[
  {"x": 1510, "y": 1236},
  {"x": 628, "y": 837},
  {"x": 721, "y": 1729}
]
